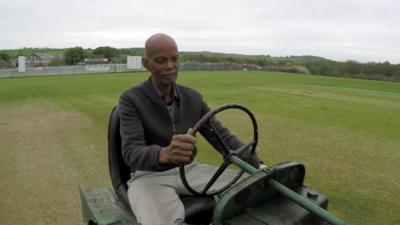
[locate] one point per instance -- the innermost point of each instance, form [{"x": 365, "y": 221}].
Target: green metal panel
[
  {"x": 226, "y": 202},
  {"x": 228, "y": 205},
  {"x": 101, "y": 207},
  {"x": 307, "y": 204}
]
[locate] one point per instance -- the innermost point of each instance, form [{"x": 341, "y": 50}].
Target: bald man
[{"x": 155, "y": 117}]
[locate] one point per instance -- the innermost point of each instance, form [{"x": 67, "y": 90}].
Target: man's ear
[{"x": 145, "y": 62}]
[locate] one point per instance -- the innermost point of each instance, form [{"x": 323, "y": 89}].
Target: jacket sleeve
[
  {"x": 229, "y": 139},
  {"x": 136, "y": 154}
]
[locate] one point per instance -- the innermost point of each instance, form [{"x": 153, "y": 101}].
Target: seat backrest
[
  {"x": 197, "y": 209},
  {"x": 119, "y": 171}
]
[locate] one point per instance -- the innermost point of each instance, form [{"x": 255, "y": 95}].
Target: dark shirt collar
[{"x": 174, "y": 92}]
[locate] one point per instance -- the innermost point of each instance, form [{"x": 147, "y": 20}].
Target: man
[{"x": 155, "y": 117}]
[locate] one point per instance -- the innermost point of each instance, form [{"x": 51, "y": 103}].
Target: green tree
[
  {"x": 353, "y": 67},
  {"x": 396, "y": 72},
  {"x": 4, "y": 56},
  {"x": 57, "y": 62},
  {"x": 73, "y": 56},
  {"x": 108, "y": 52}
]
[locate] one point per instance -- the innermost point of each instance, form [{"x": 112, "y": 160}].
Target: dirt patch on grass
[{"x": 45, "y": 153}]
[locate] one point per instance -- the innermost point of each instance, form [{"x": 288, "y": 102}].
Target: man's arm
[
  {"x": 136, "y": 154},
  {"x": 139, "y": 156}
]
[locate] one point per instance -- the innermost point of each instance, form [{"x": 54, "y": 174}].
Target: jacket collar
[
  {"x": 152, "y": 93},
  {"x": 174, "y": 91}
]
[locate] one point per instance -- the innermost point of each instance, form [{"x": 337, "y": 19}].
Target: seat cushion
[{"x": 198, "y": 210}]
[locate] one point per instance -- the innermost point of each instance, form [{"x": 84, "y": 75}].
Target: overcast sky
[{"x": 362, "y": 30}]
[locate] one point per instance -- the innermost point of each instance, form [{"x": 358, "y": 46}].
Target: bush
[
  {"x": 107, "y": 52},
  {"x": 73, "y": 56},
  {"x": 57, "y": 62},
  {"x": 5, "y": 57}
]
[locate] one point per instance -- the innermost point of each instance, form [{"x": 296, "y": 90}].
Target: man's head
[{"x": 161, "y": 59}]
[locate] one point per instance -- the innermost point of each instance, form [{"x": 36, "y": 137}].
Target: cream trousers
[{"x": 154, "y": 196}]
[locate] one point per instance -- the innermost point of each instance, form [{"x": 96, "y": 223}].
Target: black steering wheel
[{"x": 226, "y": 152}]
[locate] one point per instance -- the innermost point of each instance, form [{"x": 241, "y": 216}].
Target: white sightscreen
[
  {"x": 134, "y": 63},
  {"x": 21, "y": 64}
]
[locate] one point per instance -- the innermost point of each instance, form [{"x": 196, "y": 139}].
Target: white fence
[
  {"x": 63, "y": 70},
  {"x": 114, "y": 68}
]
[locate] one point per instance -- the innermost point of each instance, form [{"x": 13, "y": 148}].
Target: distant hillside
[{"x": 13, "y": 53}]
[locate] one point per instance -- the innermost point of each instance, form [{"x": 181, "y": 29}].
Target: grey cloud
[{"x": 361, "y": 30}]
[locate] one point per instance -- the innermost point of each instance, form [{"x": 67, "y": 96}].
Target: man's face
[{"x": 162, "y": 61}]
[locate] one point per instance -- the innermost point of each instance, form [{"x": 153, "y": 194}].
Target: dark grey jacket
[{"x": 146, "y": 125}]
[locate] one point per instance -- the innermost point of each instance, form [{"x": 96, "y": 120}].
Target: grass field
[{"x": 347, "y": 133}]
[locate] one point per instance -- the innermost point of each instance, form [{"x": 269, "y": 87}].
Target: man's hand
[{"x": 179, "y": 151}]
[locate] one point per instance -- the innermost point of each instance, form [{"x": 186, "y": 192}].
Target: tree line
[
  {"x": 295, "y": 64},
  {"x": 76, "y": 55},
  {"x": 305, "y": 65}
]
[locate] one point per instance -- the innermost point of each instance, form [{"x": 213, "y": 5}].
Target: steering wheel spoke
[
  {"x": 244, "y": 147},
  {"x": 208, "y": 118},
  {"x": 225, "y": 147},
  {"x": 216, "y": 175}
]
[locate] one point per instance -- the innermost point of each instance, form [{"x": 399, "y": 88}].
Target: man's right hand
[{"x": 179, "y": 151}]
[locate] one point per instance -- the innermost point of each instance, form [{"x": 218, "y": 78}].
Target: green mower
[{"x": 273, "y": 195}]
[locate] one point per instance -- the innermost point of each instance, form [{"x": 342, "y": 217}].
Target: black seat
[
  {"x": 198, "y": 210},
  {"x": 119, "y": 171}
]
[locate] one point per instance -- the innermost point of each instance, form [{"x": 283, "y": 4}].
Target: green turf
[{"x": 345, "y": 131}]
